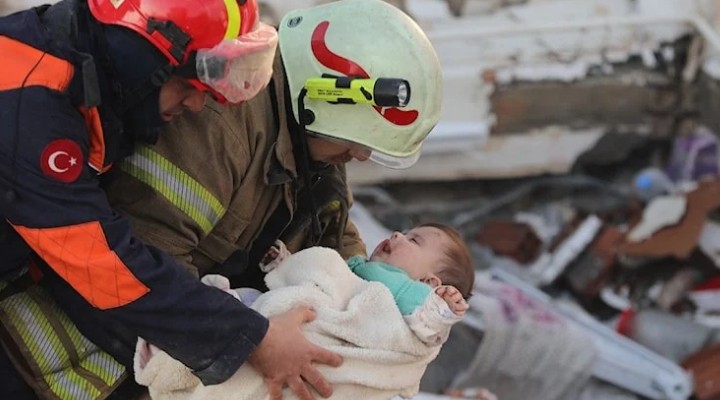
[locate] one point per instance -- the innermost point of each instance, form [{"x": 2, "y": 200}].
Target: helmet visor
[
  {"x": 362, "y": 152},
  {"x": 237, "y": 69},
  {"x": 394, "y": 162}
]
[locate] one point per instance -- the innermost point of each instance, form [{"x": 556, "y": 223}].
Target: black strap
[
  {"x": 65, "y": 20},
  {"x": 17, "y": 282},
  {"x": 249, "y": 274},
  {"x": 303, "y": 154}
]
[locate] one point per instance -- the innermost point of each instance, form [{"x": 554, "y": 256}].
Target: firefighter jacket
[
  {"x": 216, "y": 180},
  {"x": 52, "y": 148}
]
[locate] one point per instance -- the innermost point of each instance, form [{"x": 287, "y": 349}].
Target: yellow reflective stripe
[
  {"x": 47, "y": 358},
  {"x": 46, "y": 350},
  {"x": 57, "y": 386},
  {"x": 179, "y": 188},
  {"x": 63, "y": 380},
  {"x": 187, "y": 186},
  {"x": 54, "y": 346},
  {"x": 73, "y": 386},
  {"x": 234, "y": 19},
  {"x": 22, "y": 321},
  {"x": 91, "y": 357},
  {"x": 104, "y": 366}
]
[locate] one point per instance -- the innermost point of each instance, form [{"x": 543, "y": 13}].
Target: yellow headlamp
[{"x": 383, "y": 92}]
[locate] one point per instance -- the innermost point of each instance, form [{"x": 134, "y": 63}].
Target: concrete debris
[
  {"x": 682, "y": 239},
  {"x": 644, "y": 265},
  {"x": 511, "y": 239},
  {"x": 661, "y": 212},
  {"x": 705, "y": 369}
]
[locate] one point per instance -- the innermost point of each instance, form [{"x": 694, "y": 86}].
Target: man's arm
[{"x": 63, "y": 215}]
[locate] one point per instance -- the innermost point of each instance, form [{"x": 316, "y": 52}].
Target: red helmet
[
  {"x": 219, "y": 45},
  {"x": 179, "y": 27}
]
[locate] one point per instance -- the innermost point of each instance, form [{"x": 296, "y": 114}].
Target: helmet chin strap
[
  {"x": 135, "y": 87},
  {"x": 306, "y": 118},
  {"x": 129, "y": 95}
]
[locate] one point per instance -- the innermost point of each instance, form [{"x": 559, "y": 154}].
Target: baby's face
[{"x": 419, "y": 252}]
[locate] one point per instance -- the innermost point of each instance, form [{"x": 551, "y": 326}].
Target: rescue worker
[
  {"x": 80, "y": 83},
  {"x": 218, "y": 201}
]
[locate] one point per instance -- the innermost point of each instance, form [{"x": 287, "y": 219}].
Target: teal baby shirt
[{"x": 408, "y": 293}]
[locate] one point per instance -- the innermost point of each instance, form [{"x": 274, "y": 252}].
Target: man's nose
[
  {"x": 360, "y": 154},
  {"x": 195, "y": 100}
]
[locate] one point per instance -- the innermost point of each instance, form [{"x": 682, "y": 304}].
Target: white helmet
[{"x": 364, "y": 39}]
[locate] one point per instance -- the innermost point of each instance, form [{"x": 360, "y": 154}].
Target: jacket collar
[{"x": 280, "y": 166}]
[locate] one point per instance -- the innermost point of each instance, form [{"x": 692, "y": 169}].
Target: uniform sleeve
[{"x": 64, "y": 216}]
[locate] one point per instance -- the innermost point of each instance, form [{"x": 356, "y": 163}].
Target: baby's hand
[
  {"x": 453, "y": 298},
  {"x": 274, "y": 256}
]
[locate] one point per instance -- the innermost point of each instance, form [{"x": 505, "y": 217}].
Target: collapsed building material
[
  {"x": 679, "y": 240},
  {"x": 594, "y": 269},
  {"x": 621, "y": 361},
  {"x": 511, "y": 239},
  {"x": 705, "y": 369}
]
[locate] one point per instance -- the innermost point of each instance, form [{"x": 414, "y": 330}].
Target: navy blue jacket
[{"x": 52, "y": 149}]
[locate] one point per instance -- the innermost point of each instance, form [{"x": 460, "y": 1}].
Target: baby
[
  {"x": 386, "y": 316},
  {"x": 428, "y": 271}
]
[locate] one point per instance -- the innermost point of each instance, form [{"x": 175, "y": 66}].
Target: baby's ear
[{"x": 433, "y": 280}]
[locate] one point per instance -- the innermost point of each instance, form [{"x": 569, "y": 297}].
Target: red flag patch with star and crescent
[{"x": 62, "y": 160}]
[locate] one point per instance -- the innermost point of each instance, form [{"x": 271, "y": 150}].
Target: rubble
[
  {"x": 705, "y": 368},
  {"x": 680, "y": 239},
  {"x": 638, "y": 275}
]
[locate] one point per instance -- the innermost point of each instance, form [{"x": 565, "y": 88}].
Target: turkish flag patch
[{"x": 62, "y": 160}]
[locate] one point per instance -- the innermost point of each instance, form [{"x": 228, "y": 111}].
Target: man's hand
[
  {"x": 453, "y": 298},
  {"x": 285, "y": 357}
]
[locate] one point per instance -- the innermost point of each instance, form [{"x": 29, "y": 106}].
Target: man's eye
[{"x": 413, "y": 240}]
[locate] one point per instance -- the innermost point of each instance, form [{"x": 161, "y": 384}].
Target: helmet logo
[
  {"x": 117, "y": 3},
  {"x": 294, "y": 21},
  {"x": 350, "y": 68}
]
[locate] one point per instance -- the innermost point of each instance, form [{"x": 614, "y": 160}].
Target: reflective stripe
[
  {"x": 234, "y": 19},
  {"x": 179, "y": 188},
  {"x": 71, "y": 369},
  {"x": 104, "y": 366},
  {"x": 23, "y": 320},
  {"x": 46, "y": 349},
  {"x": 97, "y": 361},
  {"x": 63, "y": 381}
]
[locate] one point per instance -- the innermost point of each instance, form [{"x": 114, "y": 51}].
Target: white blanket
[{"x": 355, "y": 318}]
